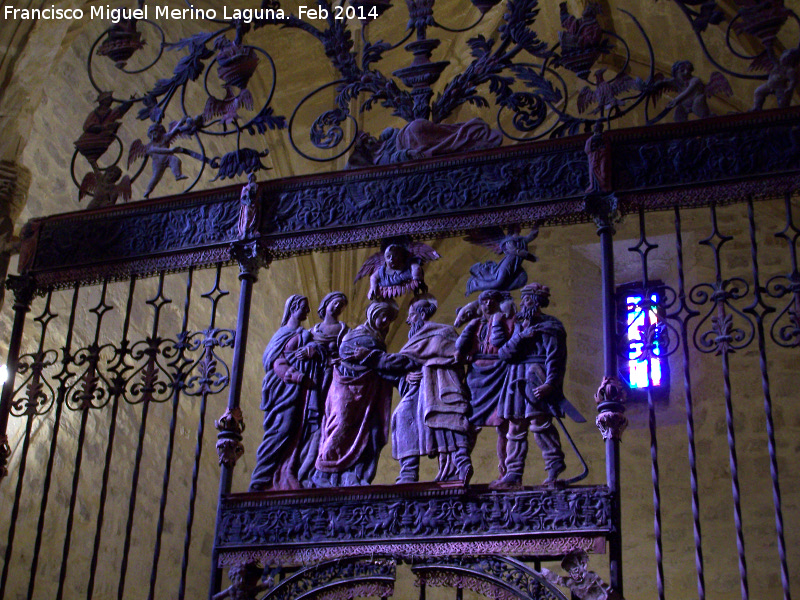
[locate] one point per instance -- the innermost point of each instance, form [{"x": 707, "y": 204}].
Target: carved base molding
[{"x": 522, "y": 548}]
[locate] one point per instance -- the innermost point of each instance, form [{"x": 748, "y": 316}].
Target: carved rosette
[
  {"x": 229, "y": 440},
  {"x": 5, "y": 454},
  {"x": 610, "y": 399}
]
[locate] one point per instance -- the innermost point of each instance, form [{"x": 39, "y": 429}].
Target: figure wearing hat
[
  {"x": 583, "y": 583},
  {"x": 536, "y": 357},
  {"x": 100, "y": 127}
]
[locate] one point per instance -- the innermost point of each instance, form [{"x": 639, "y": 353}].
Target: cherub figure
[
  {"x": 159, "y": 152},
  {"x": 509, "y": 273},
  {"x": 583, "y": 583},
  {"x": 397, "y": 270},
  {"x": 693, "y": 94},
  {"x": 102, "y": 185},
  {"x": 782, "y": 80},
  {"x": 605, "y": 93}
]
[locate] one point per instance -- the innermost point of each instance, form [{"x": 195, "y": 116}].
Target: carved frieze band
[
  {"x": 655, "y": 166},
  {"x": 385, "y": 518},
  {"x": 295, "y": 557},
  {"x": 132, "y": 235}
]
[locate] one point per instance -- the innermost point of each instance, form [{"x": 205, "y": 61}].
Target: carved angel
[
  {"x": 159, "y": 152},
  {"x": 509, "y": 273},
  {"x": 102, "y": 185},
  {"x": 782, "y": 80},
  {"x": 397, "y": 270},
  {"x": 605, "y": 93},
  {"x": 692, "y": 93},
  {"x": 228, "y": 107}
]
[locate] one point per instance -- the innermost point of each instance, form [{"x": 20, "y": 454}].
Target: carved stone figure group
[{"x": 327, "y": 392}]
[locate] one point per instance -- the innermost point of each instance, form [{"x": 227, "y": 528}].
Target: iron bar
[
  {"x": 722, "y": 342},
  {"x": 85, "y": 398},
  {"x": 758, "y": 309},
  {"x": 23, "y": 459},
  {"x": 118, "y": 389},
  {"x": 787, "y": 336},
  {"x": 689, "y": 403},
  {"x": 157, "y": 302},
  {"x": 645, "y": 306},
  {"x": 734, "y": 466},
  {"x": 63, "y": 377},
  {"x": 199, "y": 438},
  {"x": 62, "y": 576},
  {"x": 23, "y": 295},
  {"x": 178, "y": 383},
  {"x": 37, "y": 545},
  {"x": 606, "y": 232},
  {"x": 249, "y": 259}
]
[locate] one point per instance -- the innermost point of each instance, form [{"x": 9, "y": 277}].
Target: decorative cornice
[{"x": 720, "y": 159}]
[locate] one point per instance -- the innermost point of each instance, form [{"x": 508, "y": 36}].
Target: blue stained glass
[{"x": 643, "y": 372}]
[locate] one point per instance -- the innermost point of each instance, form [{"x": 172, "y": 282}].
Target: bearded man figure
[
  {"x": 536, "y": 356},
  {"x": 355, "y": 427},
  {"x": 432, "y": 417},
  {"x": 478, "y": 346}
]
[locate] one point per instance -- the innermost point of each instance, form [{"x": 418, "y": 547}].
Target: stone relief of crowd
[{"x": 327, "y": 390}]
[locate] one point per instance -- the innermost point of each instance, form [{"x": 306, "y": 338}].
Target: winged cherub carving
[
  {"x": 692, "y": 93},
  {"x": 397, "y": 270},
  {"x": 509, "y": 273},
  {"x": 105, "y": 186},
  {"x": 159, "y": 152}
]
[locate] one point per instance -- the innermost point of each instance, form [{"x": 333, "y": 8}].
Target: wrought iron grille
[{"x": 86, "y": 399}]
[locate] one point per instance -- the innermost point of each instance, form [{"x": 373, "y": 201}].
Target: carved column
[
  {"x": 251, "y": 257},
  {"x": 23, "y": 288},
  {"x": 610, "y": 396}
]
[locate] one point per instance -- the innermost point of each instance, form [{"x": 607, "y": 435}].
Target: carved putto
[
  {"x": 397, "y": 270},
  {"x": 782, "y": 80},
  {"x": 509, "y": 273},
  {"x": 158, "y": 150},
  {"x": 692, "y": 92},
  {"x": 105, "y": 186}
]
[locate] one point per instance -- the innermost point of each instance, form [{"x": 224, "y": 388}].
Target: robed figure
[
  {"x": 355, "y": 427},
  {"x": 327, "y": 335},
  {"x": 289, "y": 388},
  {"x": 432, "y": 416}
]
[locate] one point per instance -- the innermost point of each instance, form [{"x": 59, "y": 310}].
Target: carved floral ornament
[{"x": 539, "y": 83}]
